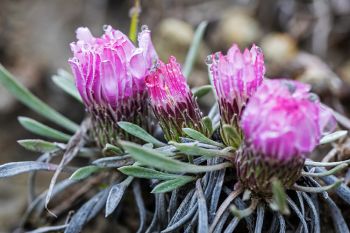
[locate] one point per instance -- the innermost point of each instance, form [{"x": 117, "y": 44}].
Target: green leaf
[
  {"x": 64, "y": 73},
  {"x": 157, "y": 159},
  {"x": 170, "y": 185},
  {"x": 67, "y": 85},
  {"x": 147, "y": 173},
  {"x": 139, "y": 132},
  {"x": 33, "y": 102},
  {"x": 38, "y": 145},
  {"x": 194, "y": 149},
  {"x": 135, "y": 11},
  {"x": 279, "y": 198},
  {"x": 200, "y": 137},
  {"x": 110, "y": 150},
  {"x": 42, "y": 130},
  {"x": 231, "y": 134},
  {"x": 193, "y": 51},
  {"x": 201, "y": 91},
  {"x": 208, "y": 124},
  {"x": 84, "y": 172},
  {"x": 333, "y": 136}
]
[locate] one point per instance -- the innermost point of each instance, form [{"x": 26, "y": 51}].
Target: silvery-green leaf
[
  {"x": 208, "y": 124},
  {"x": 148, "y": 173},
  {"x": 200, "y": 137},
  {"x": 333, "y": 136},
  {"x": 193, "y": 51},
  {"x": 67, "y": 85},
  {"x": 38, "y": 145},
  {"x": 33, "y": 102},
  {"x": 139, "y": 132},
  {"x": 157, "y": 159},
  {"x": 15, "y": 168},
  {"x": 201, "y": 91},
  {"x": 115, "y": 195},
  {"x": 279, "y": 198},
  {"x": 110, "y": 150},
  {"x": 170, "y": 185},
  {"x": 84, "y": 172},
  {"x": 83, "y": 215},
  {"x": 42, "y": 130},
  {"x": 193, "y": 149}
]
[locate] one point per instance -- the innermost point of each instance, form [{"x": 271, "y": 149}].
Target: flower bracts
[
  {"x": 110, "y": 76},
  {"x": 282, "y": 123},
  {"x": 172, "y": 100},
  {"x": 235, "y": 76}
]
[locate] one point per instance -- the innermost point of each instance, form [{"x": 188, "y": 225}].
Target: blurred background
[{"x": 307, "y": 40}]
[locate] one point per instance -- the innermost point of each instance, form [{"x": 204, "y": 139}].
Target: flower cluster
[
  {"x": 282, "y": 123},
  {"x": 110, "y": 76},
  {"x": 275, "y": 123},
  {"x": 172, "y": 100},
  {"x": 236, "y": 76}
]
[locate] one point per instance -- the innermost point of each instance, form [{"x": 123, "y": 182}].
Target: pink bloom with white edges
[{"x": 283, "y": 119}]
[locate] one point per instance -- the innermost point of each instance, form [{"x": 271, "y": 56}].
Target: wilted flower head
[
  {"x": 236, "y": 76},
  {"x": 110, "y": 76},
  {"x": 172, "y": 100},
  {"x": 282, "y": 123}
]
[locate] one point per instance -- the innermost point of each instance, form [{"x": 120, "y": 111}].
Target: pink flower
[
  {"x": 172, "y": 100},
  {"x": 110, "y": 69},
  {"x": 284, "y": 120},
  {"x": 110, "y": 76},
  {"x": 236, "y": 76}
]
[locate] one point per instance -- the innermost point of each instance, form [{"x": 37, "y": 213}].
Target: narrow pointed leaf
[
  {"x": 115, "y": 195},
  {"x": 148, "y": 173},
  {"x": 200, "y": 137},
  {"x": 201, "y": 91},
  {"x": 153, "y": 158},
  {"x": 193, "y": 149},
  {"x": 139, "y": 132},
  {"x": 208, "y": 124},
  {"x": 84, "y": 172},
  {"x": 83, "y": 215},
  {"x": 170, "y": 185},
  {"x": 333, "y": 136},
  {"x": 279, "y": 198},
  {"x": 42, "y": 130},
  {"x": 111, "y": 150},
  {"x": 193, "y": 51},
  {"x": 33, "y": 102},
  {"x": 67, "y": 85},
  {"x": 38, "y": 145},
  {"x": 15, "y": 168},
  {"x": 202, "y": 209}
]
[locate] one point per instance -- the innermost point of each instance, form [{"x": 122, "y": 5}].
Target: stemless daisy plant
[
  {"x": 261, "y": 169},
  {"x": 110, "y": 75}
]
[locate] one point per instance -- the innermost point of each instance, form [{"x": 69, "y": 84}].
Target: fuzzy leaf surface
[
  {"x": 43, "y": 130},
  {"x": 139, "y": 132},
  {"x": 33, "y": 102},
  {"x": 38, "y": 145},
  {"x": 170, "y": 185},
  {"x": 157, "y": 159}
]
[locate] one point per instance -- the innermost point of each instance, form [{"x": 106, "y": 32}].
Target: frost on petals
[{"x": 172, "y": 100}]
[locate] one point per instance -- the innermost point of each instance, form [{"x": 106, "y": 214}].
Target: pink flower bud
[{"x": 172, "y": 100}]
